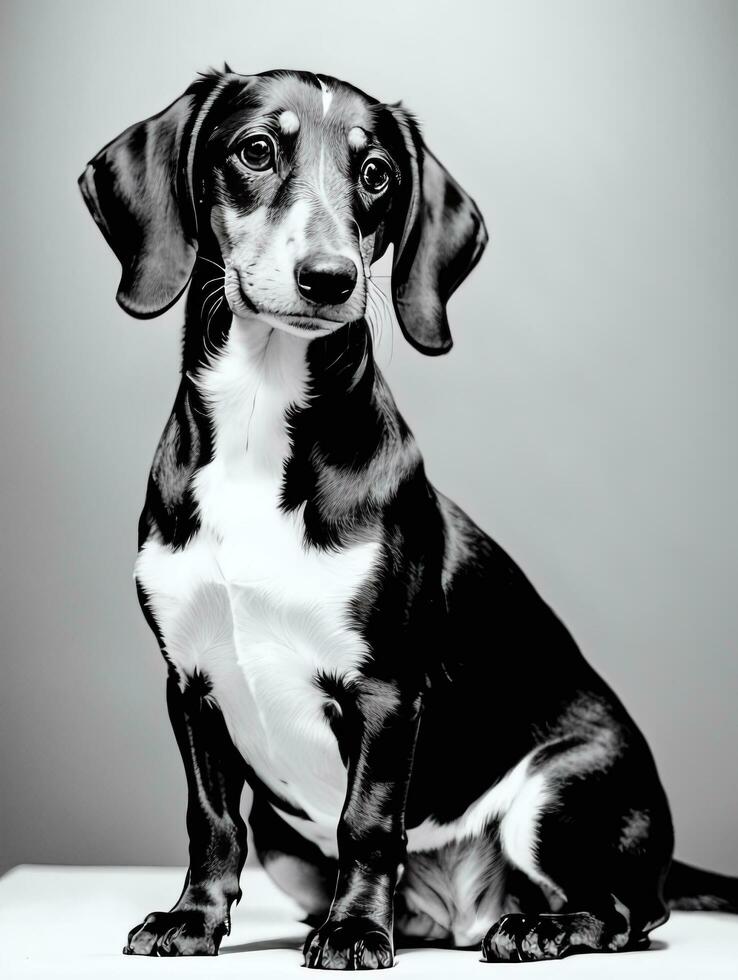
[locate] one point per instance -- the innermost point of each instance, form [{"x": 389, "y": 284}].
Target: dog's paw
[
  {"x": 350, "y": 944},
  {"x": 522, "y": 938},
  {"x": 189, "y": 932}
]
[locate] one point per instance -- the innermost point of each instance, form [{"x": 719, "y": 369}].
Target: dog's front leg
[
  {"x": 382, "y": 726},
  {"x": 215, "y": 778}
]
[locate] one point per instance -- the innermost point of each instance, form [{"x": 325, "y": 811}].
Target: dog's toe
[
  {"x": 352, "y": 944},
  {"x": 175, "y": 933},
  {"x": 520, "y": 938}
]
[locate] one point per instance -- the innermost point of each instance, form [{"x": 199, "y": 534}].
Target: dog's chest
[{"x": 246, "y": 603}]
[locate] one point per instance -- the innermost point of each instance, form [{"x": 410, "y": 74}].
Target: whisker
[
  {"x": 359, "y": 372},
  {"x": 209, "y": 296},
  {"x": 337, "y": 358},
  {"x": 382, "y": 308},
  {"x": 376, "y": 312},
  {"x": 210, "y": 350},
  {"x": 370, "y": 311},
  {"x": 390, "y": 319},
  {"x": 214, "y": 279},
  {"x": 361, "y": 237},
  {"x": 379, "y": 321},
  {"x": 216, "y": 264},
  {"x": 214, "y": 310}
]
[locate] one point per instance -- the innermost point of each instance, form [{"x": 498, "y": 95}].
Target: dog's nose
[{"x": 326, "y": 279}]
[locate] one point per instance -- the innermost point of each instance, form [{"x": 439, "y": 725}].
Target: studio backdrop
[{"x": 586, "y": 416}]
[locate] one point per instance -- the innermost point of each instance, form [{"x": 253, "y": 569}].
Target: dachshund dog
[{"x": 429, "y": 755}]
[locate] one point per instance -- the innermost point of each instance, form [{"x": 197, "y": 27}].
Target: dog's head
[{"x": 299, "y": 182}]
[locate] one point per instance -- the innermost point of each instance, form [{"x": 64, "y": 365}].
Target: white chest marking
[{"x": 246, "y": 603}]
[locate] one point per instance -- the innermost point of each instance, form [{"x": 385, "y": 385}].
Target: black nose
[{"x": 326, "y": 279}]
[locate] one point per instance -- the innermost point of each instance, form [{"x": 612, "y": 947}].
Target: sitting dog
[{"x": 429, "y": 754}]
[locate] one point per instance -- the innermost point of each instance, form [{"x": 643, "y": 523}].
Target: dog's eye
[
  {"x": 375, "y": 174},
  {"x": 258, "y": 152}
]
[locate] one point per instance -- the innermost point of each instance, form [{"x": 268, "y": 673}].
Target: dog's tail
[{"x": 694, "y": 889}]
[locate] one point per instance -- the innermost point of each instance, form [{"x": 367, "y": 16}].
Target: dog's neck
[
  {"x": 346, "y": 453},
  {"x": 337, "y": 362},
  {"x": 342, "y": 409}
]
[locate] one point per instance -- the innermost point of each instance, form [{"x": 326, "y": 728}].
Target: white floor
[{"x": 72, "y": 922}]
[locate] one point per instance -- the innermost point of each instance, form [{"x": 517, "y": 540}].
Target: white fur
[
  {"x": 249, "y": 605},
  {"x": 357, "y": 138},
  {"x": 326, "y": 198},
  {"x": 246, "y": 602},
  {"x": 456, "y": 892},
  {"x": 515, "y": 803},
  {"x": 519, "y": 828},
  {"x": 288, "y": 122},
  {"x": 490, "y": 807},
  {"x": 327, "y": 96}
]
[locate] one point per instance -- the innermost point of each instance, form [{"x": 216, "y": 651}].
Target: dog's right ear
[{"x": 139, "y": 190}]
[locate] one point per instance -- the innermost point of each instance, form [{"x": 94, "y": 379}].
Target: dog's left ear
[
  {"x": 438, "y": 240},
  {"x": 139, "y": 191}
]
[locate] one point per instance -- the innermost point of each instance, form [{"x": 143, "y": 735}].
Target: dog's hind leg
[
  {"x": 295, "y": 864},
  {"x": 597, "y": 839},
  {"x": 215, "y": 779}
]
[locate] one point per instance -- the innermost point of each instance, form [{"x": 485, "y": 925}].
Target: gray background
[{"x": 586, "y": 417}]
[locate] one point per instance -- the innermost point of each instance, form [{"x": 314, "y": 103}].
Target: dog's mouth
[
  {"x": 242, "y": 306},
  {"x": 309, "y": 322}
]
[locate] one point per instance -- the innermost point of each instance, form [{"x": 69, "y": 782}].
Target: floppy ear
[
  {"x": 139, "y": 191},
  {"x": 436, "y": 247}
]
